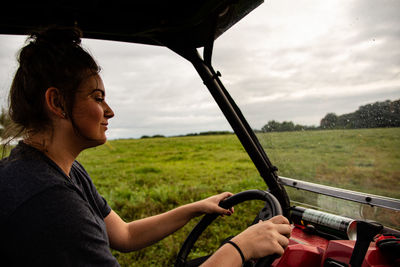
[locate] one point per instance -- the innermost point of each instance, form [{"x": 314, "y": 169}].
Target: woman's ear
[{"x": 55, "y": 102}]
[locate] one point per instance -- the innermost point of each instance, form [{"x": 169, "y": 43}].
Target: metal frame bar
[
  {"x": 368, "y": 199},
  {"x": 237, "y": 121}
]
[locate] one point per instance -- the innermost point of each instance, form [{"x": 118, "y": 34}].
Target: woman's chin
[{"x": 95, "y": 142}]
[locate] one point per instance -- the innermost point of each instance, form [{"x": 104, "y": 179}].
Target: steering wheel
[{"x": 271, "y": 209}]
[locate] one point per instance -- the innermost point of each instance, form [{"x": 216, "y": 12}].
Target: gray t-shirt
[{"x": 48, "y": 218}]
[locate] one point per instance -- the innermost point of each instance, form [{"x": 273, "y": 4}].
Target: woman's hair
[{"x": 53, "y": 57}]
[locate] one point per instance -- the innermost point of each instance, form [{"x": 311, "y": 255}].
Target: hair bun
[{"x": 58, "y": 35}]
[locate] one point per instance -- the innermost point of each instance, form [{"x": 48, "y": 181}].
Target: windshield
[
  {"x": 321, "y": 88},
  {"x": 318, "y": 81}
]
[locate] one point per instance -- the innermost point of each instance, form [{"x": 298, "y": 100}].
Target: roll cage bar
[
  {"x": 178, "y": 25},
  {"x": 238, "y": 123}
]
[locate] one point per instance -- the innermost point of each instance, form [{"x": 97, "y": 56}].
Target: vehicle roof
[{"x": 155, "y": 22}]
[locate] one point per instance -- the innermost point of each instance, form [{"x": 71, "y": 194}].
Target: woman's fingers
[
  {"x": 284, "y": 229},
  {"x": 283, "y": 241},
  {"x": 279, "y": 219},
  {"x": 278, "y": 249},
  {"x": 211, "y": 205},
  {"x": 221, "y": 197}
]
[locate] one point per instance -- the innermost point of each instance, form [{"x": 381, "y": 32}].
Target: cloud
[
  {"x": 9, "y": 46},
  {"x": 154, "y": 91},
  {"x": 301, "y": 65},
  {"x": 286, "y": 60}
]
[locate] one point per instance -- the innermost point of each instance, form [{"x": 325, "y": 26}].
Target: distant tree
[
  {"x": 394, "y": 113},
  {"x": 158, "y": 136},
  {"x": 346, "y": 121},
  {"x": 311, "y": 128},
  {"x": 192, "y": 134},
  {"x": 299, "y": 127},
  {"x": 287, "y": 126},
  {"x": 271, "y": 126},
  {"x": 378, "y": 114},
  {"x": 329, "y": 121}
]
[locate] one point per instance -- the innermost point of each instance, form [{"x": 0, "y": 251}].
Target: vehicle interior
[{"x": 332, "y": 225}]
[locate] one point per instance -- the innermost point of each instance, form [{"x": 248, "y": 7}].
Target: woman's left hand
[{"x": 210, "y": 205}]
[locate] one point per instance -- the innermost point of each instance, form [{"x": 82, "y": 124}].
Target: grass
[
  {"x": 144, "y": 177},
  {"x": 363, "y": 160}
]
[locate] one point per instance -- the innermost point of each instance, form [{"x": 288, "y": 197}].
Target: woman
[{"x": 51, "y": 213}]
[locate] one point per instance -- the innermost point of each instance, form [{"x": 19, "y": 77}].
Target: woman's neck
[{"x": 55, "y": 148}]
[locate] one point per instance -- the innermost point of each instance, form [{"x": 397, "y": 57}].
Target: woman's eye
[{"x": 99, "y": 99}]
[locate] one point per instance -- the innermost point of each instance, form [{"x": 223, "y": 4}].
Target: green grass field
[{"x": 144, "y": 177}]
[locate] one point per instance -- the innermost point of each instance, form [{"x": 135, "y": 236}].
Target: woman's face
[{"x": 91, "y": 112}]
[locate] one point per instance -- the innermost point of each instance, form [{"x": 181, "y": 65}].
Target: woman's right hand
[{"x": 264, "y": 238}]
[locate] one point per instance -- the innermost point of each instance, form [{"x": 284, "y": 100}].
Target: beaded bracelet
[{"x": 238, "y": 249}]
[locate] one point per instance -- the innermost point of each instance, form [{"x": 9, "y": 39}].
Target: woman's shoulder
[
  {"x": 23, "y": 175},
  {"x": 27, "y": 167}
]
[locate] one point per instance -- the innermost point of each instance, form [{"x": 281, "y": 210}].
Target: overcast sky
[{"x": 287, "y": 60}]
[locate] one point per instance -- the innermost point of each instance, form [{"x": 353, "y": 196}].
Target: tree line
[
  {"x": 377, "y": 115},
  {"x": 189, "y": 134},
  {"x": 286, "y": 126}
]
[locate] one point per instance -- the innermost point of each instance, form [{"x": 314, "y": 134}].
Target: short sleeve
[{"x": 84, "y": 182}]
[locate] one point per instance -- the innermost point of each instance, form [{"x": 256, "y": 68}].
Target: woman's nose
[{"x": 108, "y": 112}]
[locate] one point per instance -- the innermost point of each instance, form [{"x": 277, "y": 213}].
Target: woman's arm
[{"x": 144, "y": 232}]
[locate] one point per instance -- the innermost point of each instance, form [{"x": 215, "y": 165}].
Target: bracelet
[{"x": 237, "y": 248}]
